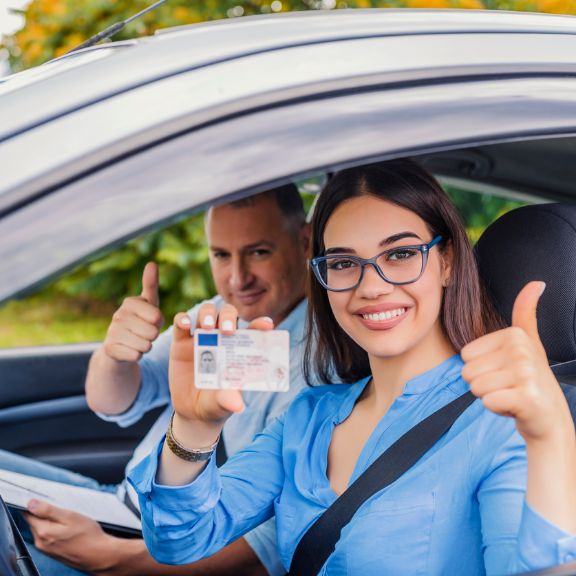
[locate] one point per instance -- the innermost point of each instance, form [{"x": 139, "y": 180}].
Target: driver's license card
[{"x": 246, "y": 360}]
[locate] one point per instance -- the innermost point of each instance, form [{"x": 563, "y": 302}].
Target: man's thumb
[
  {"x": 150, "y": 282},
  {"x": 524, "y": 311}
]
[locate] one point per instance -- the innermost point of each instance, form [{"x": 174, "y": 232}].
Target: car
[{"x": 108, "y": 142}]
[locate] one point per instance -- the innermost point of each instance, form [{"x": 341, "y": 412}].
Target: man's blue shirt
[{"x": 460, "y": 510}]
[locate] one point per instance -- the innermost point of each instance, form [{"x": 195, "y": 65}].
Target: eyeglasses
[{"x": 401, "y": 265}]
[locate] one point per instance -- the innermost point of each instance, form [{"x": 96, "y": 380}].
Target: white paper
[{"x": 104, "y": 507}]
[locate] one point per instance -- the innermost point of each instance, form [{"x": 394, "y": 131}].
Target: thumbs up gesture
[
  {"x": 509, "y": 371},
  {"x": 137, "y": 323}
]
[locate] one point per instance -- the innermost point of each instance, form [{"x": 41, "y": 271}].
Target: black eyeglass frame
[{"x": 363, "y": 262}]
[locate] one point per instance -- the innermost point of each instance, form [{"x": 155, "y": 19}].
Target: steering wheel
[{"x": 14, "y": 557}]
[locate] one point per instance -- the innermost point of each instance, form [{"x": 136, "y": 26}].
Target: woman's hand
[
  {"x": 190, "y": 403},
  {"x": 509, "y": 371},
  {"x": 199, "y": 414}
]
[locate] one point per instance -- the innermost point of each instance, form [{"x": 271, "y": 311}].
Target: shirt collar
[{"x": 439, "y": 376}]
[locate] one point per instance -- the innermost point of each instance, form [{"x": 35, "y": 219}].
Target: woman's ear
[{"x": 447, "y": 256}]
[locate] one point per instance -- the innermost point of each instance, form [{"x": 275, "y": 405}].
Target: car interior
[
  {"x": 45, "y": 416},
  {"x": 509, "y": 255}
]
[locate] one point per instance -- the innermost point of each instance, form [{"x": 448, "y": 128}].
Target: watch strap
[{"x": 188, "y": 454}]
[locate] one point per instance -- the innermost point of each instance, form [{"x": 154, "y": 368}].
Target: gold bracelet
[{"x": 190, "y": 455}]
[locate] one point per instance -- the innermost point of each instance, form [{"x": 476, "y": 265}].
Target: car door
[{"x": 44, "y": 415}]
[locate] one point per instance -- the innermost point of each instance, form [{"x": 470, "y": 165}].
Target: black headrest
[{"x": 535, "y": 243}]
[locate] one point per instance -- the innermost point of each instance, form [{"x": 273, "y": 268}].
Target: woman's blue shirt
[{"x": 459, "y": 510}]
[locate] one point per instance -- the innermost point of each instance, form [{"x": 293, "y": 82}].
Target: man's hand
[
  {"x": 70, "y": 537},
  {"x": 137, "y": 323},
  {"x": 509, "y": 371},
  {"x": 80, "y": 542}
]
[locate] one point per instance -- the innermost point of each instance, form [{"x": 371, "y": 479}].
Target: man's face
[{"x": 258, "y": 258}]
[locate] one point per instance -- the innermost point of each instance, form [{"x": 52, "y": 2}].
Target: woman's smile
[{"x": 383, "y": 316}]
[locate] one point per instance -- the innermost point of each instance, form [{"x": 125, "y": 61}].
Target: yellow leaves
[
  {"x": 469, "y": 4},
  {"x": 465, "y": 4},
  {"x": 182, "y": 14},
  {"x": 33, "y": 51},
  {"x": 58, "y": 7},
  {"x": 556, "y": 6},
  {"x": 71, "y": 41},
  {"x": 35, "y": 32},
  {"x": 428, "y": 3}
]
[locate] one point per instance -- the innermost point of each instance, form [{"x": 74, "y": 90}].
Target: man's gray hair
[{"x": 286, "y": 197}]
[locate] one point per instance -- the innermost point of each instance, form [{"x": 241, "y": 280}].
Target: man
[{"x": 258, "y": 257}]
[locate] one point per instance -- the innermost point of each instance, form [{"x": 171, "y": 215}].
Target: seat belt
[{"x": 321, "y": 538}]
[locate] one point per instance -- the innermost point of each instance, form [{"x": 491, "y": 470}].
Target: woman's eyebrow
[
  {"x": 339, "y": 250},
  {"x": 399, "y": 236},
  {"x": 385, "y": 242}
]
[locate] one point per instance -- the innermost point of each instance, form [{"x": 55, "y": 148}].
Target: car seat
[{"x": 537, "y": 242}]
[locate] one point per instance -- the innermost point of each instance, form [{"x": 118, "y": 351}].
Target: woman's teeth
[{"x": 381, "y": 316}]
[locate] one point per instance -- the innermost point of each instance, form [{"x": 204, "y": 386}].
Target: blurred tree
[
  {"x": 479, "y": 210},
  {"x": 182, "y": 256}
]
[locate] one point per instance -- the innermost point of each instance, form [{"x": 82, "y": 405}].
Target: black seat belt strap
[{"x": 320, "y": 540}]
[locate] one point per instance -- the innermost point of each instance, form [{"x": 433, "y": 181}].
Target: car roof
[
  {"x": 190, "y": 47},
  {"x": 140, "y": 133},
  {"x": 410, "y": 46}
]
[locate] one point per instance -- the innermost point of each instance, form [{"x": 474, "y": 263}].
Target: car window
[
  {"x": 78, "y": 306},
  {"x": 479, "y": 210}
]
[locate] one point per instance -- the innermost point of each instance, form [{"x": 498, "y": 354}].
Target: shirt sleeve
[
  {"x": 515, "y": 537},
  {"x": 154, "y": 389},
  {"x": 186, "y": 523}
]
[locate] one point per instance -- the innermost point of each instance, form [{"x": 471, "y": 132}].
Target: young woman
[{"x": 398, "y": 313}]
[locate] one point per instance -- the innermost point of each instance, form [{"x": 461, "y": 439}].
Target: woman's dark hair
[{"x": 466, "y": 313}]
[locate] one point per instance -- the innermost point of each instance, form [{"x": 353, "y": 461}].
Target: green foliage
[
  {"x": 43, "y": 320},
  {"x": 182, "y": 257},
  {"x": 479, "y": 210}
]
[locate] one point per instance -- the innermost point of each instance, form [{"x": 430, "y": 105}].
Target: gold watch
[{"x": 188, "y": 454}]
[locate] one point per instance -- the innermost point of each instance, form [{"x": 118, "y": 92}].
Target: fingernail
[
  {"x": 185, "y": 321},
  {"x": 543, "y": 288},
  {"x": 268, "y": 319},
  {"x": 227, "y": 325},
  {"x": 209, "y": 320},
  {"x": 32, "y": 505}
]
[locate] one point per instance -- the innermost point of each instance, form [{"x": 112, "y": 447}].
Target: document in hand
[
  {"x": 246, "y": 360},
  {"x": 104, "y": 507}
]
